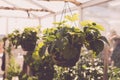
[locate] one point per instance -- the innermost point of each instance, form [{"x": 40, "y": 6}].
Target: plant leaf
[
  {"x": 86, "y": 23},
  {"x": 60, "y": 23},
  {"x": 99, "y": 27},
  {"x": 104, "y": 39},
  {"x": 72, "y": 18}
]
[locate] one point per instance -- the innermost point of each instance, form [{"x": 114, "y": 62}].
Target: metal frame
[
  {"x": 44, "y": 9},
  {"x": 93, "y": 3},
  {"x": 79, "y": 7},
  {"x": 72, "y": 1}
]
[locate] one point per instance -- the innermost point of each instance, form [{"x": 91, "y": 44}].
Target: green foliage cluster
[
  {"x": 14, "y": 38},
  {"x": 64, "y": 42},
  {"x": 114, "y": 73},
  {"x": 42, "y": 66},
  {"x": 87, "y": 68},
  {"x": 13, "y": 69},
  {"x": 90, "y": 67},
  {"x": 27, "y": 38}
]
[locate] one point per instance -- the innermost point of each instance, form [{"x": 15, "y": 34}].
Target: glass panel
[
  {"x": 2, "y": 3},
  {"x": 106, "y": 14},
  {"x": 3, "y": 26},
  {"x": 83, "y": 1},
  {"x": 14, "y": 13},
  {"x": 39, "y": 14},
  {"x": 47, "y": 22},
  {"x": 21, "y": 23},
  {"x": 53, "y": 5},
  {"x": 23, "y": 4}
]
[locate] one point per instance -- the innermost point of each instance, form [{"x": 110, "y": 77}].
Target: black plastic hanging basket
[
  {"x": 61, "y": 61},
  {"x": 28, "y": 45},
  {"x": 66, "y": 63},
  {"x": 64, "y": 42}
]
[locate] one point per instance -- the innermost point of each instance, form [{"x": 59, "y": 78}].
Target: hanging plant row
[{"x": 63, "y": 42}]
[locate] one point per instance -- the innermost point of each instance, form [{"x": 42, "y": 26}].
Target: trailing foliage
[
  {"x": 27, "y": 39},
  {"x": 114, "y": 73},
  {"x": 87, "y": 68},
  {"x": 13, "y": 69},
  {"x": 64, "y": 42},
  {"x": 14, "y": 38}
]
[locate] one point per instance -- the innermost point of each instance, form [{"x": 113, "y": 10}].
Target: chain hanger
[{"x": 64, "y": 11}]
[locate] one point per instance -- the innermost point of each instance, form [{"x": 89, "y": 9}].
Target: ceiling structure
[
  {"x": 12, "y": 11},
  {"x": 39, "y": 8},
  {"x": 32, "y": 8}
]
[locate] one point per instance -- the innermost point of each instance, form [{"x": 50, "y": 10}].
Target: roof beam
[
  {"x": 17, "y": 6},
  {"x": 35, "y": 3},
  {"x": 84, "y": 5},
  {"x": 19, "y": 17},
  {"x": 23, "y": 9},
  {"x": 72, "y": 1},
  {"x": 9, "y": 3},
  {"x": 93, "y": 3},
  {"x": 67, "y": 10}
]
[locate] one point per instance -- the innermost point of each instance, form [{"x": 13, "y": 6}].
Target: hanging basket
[
  {"x": 66, "y": 63},
  {"x": 64, "y": 41},
  {"x": 61, "y": 61},
  {"x": 28, "y": 45}
]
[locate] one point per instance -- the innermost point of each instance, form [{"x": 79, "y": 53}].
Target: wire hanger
[{"x": 64, "y": 11}]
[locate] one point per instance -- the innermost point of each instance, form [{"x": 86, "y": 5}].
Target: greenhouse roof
[
  {"x": 16, "y": 14},
  {"x": 41, "y": 8},
  {"x": 36, "y": 8}
]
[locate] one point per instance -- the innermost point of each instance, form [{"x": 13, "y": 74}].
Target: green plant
[
  {"x": 64, "y": 73},
  {"x": 42, "y": 64},
  {"x": 93, "y": 38},
  {"x": 13, "y": 69},
  {"x": 64, "y": 42},
  {"x": 14, "y": 38},
  {"x": 114, "y": 73},
  {"x": 89, "y": 67},
  {"x": 27, "y": 77},
  {"x": 29, "y": 38}
]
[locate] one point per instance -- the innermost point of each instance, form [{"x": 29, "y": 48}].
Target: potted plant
[
  {"x": 64, "y": 42},
  {"x": 29, "y": 38},
  {"x": 93, "y": 38},
  {"x": 14, "y": 38},
  {"x": 41, "y": 66}
]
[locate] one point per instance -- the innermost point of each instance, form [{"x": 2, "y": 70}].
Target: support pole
[
  {"x": 7, "y": 22},
  {"x": 80, "y": 12},
  {"x": 6, "y": 44},
  {"x": 54, "y": 19},
  {"x": 106, "y": 52},
  {"x": 39, "y": 21}
]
